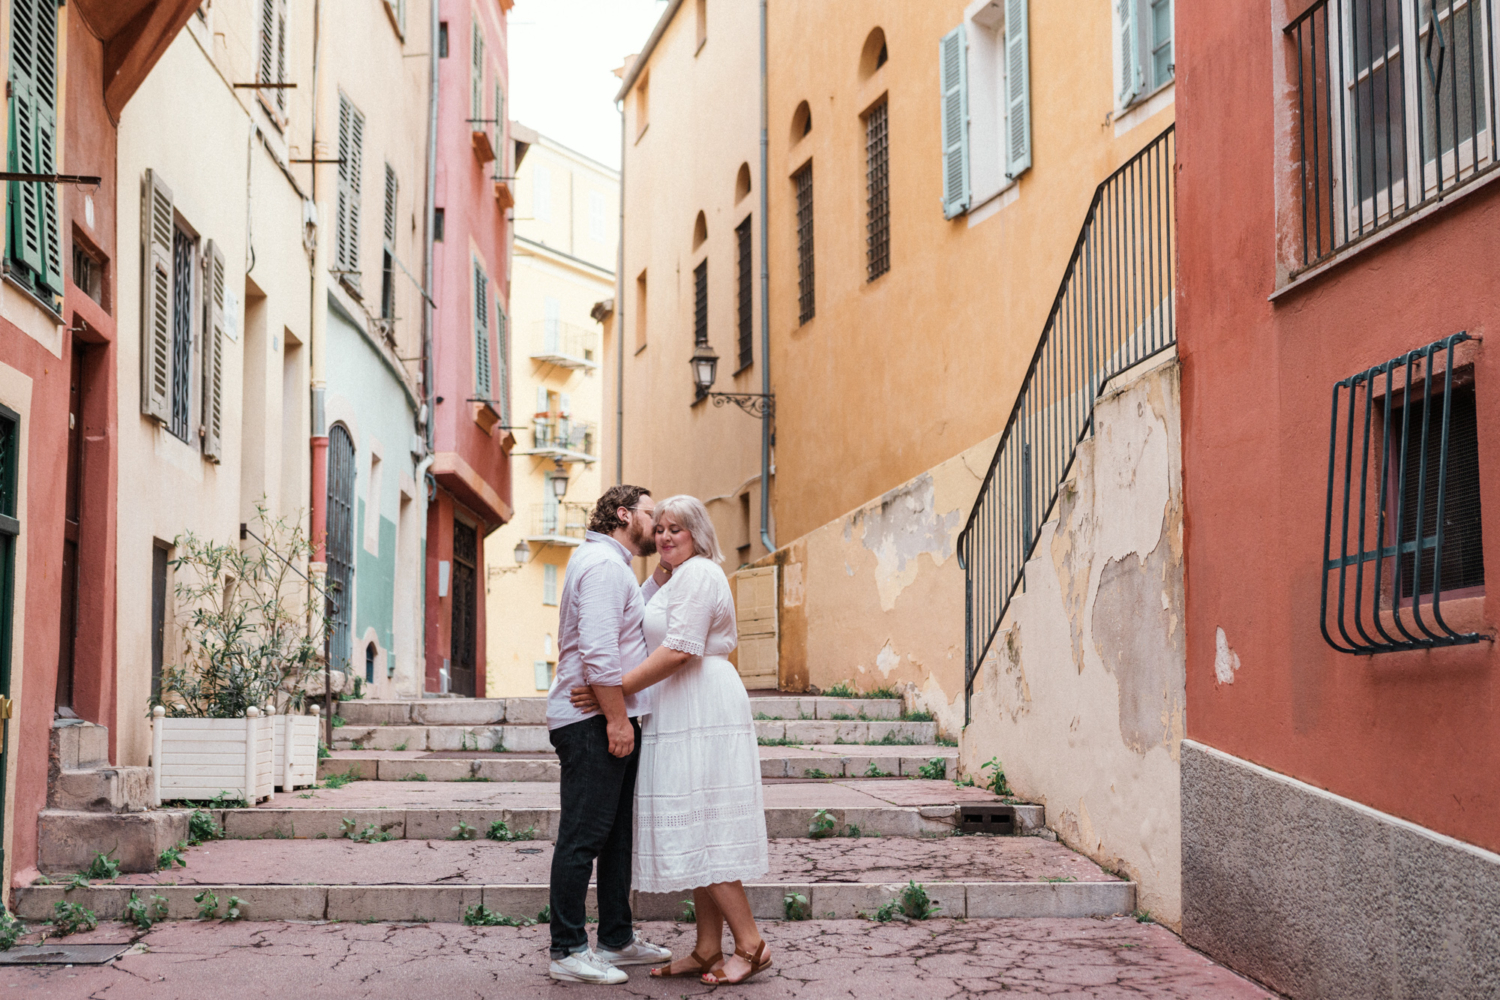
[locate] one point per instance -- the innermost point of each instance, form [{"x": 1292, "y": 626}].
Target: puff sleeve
[{"x": 690, "y": 596}]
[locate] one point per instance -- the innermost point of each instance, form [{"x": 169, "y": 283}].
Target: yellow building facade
[{"x": 567, "y": 217}]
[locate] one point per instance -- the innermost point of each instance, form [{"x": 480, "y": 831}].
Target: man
[{"x": 600, "y": 639}]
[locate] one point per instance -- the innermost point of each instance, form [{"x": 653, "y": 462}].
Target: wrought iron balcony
[
  {"x": 563, "y": 439},
  {"x": 566, "y": 345},
  {"x": 559, "y": 523}
]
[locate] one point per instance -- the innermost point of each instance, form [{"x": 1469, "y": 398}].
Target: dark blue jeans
[{"x": 598, "y": 808}]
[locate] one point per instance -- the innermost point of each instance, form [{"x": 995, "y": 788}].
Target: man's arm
[
  {"x": 617, "y": 724},
  {"x": 601, "y": 606}
]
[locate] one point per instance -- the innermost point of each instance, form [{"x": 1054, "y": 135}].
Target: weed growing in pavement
[
  {"x": 500, "y": 831},
  {"x": 763, "y": 717},
  {"x": 78, "y": 880},
  {"x": 400, "y": 746},
  {"x": 472, "y": 777},
  {"x": 544, "y": 915},
  {"x": 323, "y": 752},
  {"x": 340, "y": 780},
  {"x": 306, "y": 795},
  {"x": 208, "y": 905},
  {"x": 814, "y": 772},
  {"x": 223, "y": 801},
  {"x": 823, "y": 825},
  {"x": 70, "y": 918},
  {"x": 142, "y": 913},
  {"x": 884, "y": 691},
  {"x": 464, "y": 738},
  {"x": 935, "y": 769},
  {"x": 1059, "y": 878},
  {"x": 1143, "y": 917},
  {"x": 277, "y": 833},
  {"x": 766, "y": 741},
  {"x": 463, "y": 831},
  {"x": 482, "y": 916},
  {"x": 907, "y": 716},
  {"x": 43, "y": 880},
  {"x": 338, "y": 721},
  {"x": 967, "y": 781},
  {"x": 943, "y": 741},
  {"x": 796, "y": 906},
  {"x": 689, "y": 914},
  {"x": 996, "y": 781},
  {"x": 11, "y": 930},
  {"x": 912, "y": 903},
  {"x": 875, "y": 772},
  {"x": 852, "y": 831},
  {"x": 369, "y": 835},
  {"x": 201, "y": 827},
  {"x": 843, "y": 689},
  {"x": 415, "y": 776},
  {"x": 498, "y": 748},
  {"x": 843, "y": 717},
  {"x": 172, "y": 856},
  {"x": 890, "y": 739},
  {"x": 232, "y": 908},
  {"x": 356, "y": 744},
  {"x": 102, "y": 867}
]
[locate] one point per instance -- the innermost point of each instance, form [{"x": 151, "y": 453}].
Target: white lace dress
[{"x": 700, "y": 817}]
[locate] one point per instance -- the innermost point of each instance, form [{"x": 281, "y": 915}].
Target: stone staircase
[
  {"x": 93, "y": 806},
  {"x": 859, "y": 806}
]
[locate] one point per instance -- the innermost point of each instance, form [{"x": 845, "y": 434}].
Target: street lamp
[
  {"x": 559, "y": 485},
  {"x": 523, "y": 552},
  {"x": 705, "y": 366}
]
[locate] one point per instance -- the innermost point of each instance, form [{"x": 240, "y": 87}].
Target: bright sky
[{"x": 563, "y": 54}]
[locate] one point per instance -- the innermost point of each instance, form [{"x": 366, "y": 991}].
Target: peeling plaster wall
[{"x": 1082, "y": 694}]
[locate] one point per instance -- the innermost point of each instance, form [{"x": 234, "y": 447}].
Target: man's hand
[
  {"x": 621, "y": 737},
  {"x": 583, "y": 699}
]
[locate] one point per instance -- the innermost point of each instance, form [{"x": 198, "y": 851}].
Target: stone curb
[
  {"x": 893, "y": 764},
  {"x": 533, "y": 711},
  {"x": 532, "y": 738},
  {"x": 447, "y": 903}
]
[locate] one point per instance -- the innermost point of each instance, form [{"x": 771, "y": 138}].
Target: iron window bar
[
  {"x": 877, "y": 192},
  {"x": 1400, "y": 565},
  {"x": 806, "y": 301},
  {"x": 1396, "y": 109},
  {"x": 1113, "y": 310}
]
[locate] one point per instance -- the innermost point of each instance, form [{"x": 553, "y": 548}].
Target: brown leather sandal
[
  {"x": 705, "y": 966},
  {"x": 758, "y": 964}
]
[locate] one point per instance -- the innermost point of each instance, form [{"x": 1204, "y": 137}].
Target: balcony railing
[
  {"x": 559, "y": 523},
  {"x": 1112, "y": 311},
  {"x": 1395, "y": 111},
  {"x": 563, "y": 438},
  {"x": 565, "y": 344}
]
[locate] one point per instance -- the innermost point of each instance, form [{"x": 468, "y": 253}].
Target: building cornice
[
  {"x": 641, "y": 60},
  {"x": 566, "y": 259}
]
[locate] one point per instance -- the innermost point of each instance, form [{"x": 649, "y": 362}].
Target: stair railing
[{"x": 1113, "y": 310}]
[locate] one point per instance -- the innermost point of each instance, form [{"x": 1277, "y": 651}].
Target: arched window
[
  {"x": 873, "y": 55},
  {"x": 370, "y": 663},
  {"x": 742, "y": 183},
  {"x": 340, "y": 544},
  {"x": 801, "y": 122},
  {"x": 700, "y": 230}
]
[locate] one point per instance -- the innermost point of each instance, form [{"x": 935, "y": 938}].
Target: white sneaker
[
  {"x": 637, "y": 952},
  {"x": 585, "y": 967}
]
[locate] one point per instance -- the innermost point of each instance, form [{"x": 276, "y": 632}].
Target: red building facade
[
  {"x": 469, "y": 487},
  {"x": 1338, "y": 209}
]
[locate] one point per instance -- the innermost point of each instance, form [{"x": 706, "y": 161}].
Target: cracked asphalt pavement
[{"x": 1062, "y": 959}]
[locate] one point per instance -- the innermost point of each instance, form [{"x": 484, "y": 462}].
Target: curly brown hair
[{"x": 606, "y": 518}]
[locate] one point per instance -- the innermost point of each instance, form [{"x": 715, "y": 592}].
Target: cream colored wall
[
  {"x": 578, "y": 271},
  {"x": 703, "y": 124}
]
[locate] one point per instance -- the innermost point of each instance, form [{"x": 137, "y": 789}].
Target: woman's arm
[{"x": 658, "y": 667}]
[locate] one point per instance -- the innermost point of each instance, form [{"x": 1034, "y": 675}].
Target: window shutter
[
  {"x": 499, "y": 130},
  {"x": 476, "y": 78},
  {"x": 481, "y": 333},
  {"x": 392, "y": 187},
  {"x": 502, "y": 360},
  {"x": 542, "y": 680},
  {"x": 565, "y": 406},
  {"x": 541, "y": 401},
  {"x": 1130, "y": 62},
  {"x": 281, "y": 20},
  {"x": 156, "y": 298},
  {"x": 1017, "y": 88},
  {"x": 549, "y": 584},
  {"x": 213, "y": 353},
  {"x": 351, "y": 148},
  {"x": 954, "y": 75},
  {"x": 34, "y": 236},
  {"x": 268, "y": 41}
]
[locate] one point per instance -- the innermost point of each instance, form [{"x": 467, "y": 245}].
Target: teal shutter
[
  {"x": 1017, "y": 89},
  {"x": 954, "y": 79},
  {"x": 502, "y": 361},
  {"x": 33, "y": 238},
  {"x": 1130, "y": 62},
  {"x": 481, "y": 333}
]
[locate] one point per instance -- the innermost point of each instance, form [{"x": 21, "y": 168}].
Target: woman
[{"x": 700, "y": 820}]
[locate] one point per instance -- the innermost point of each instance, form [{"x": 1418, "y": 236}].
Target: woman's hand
[
  {"x": 663, "y": 573},
  {"x": 583, "y": 699}
]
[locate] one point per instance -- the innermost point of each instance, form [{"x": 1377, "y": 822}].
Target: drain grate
[
  {"x": 62, "y": 954},
  {"x": 985, "y": 818}
]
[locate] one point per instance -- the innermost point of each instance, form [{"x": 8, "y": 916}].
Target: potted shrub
[{"x": 250, "y": 629}]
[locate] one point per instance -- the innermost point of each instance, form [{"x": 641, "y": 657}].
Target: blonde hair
[{"x": 692, "y": 515}]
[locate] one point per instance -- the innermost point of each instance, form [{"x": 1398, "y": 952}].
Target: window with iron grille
[
  {"x": 340, "y": 545},
  {"x": 803, "y": 179},
  {"x": 746, "y": 302},
  {"x": 346, "y": 229},
  {"x": 1395, "y": 107},
  {"x": 184, "y": 252},
  {"x": 700, "y": 303},
  {"x": 1402, "y": 532},
  {"x": 877, "y": 193}
]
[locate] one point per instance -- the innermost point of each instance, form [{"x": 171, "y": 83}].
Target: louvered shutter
[
  {"x": 476, "y": 79},
  {"x": 392, "y": 187},
  {"x": 157, "y": 229},
  {"x": 213, "y": 353},
  {"x": 1130, "y": 62},
  {"x": 281, "y": 21},
  {"x": 502, "y": 360},
  {"x": 541, "y": 401},
  {"x": 499, "y": 130},
  {"x": 268, "y": 34},
  {"x": 1017, "y": 88},
  {"x": 954, "y": 79},
  {"x": 45, "y": 95},
  {"x": 481, "y": 333},
  {"x": 351, "y": 151},
  {"x": 34, "y": 236}
]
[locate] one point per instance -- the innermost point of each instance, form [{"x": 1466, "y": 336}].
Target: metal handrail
[{"x": 1113, "y": 310}]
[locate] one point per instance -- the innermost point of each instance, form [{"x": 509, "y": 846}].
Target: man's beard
[{"x": 643, "y": 539}]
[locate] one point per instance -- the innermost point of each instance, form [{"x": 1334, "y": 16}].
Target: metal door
[
  {"x": 462, "y": 643},
  {"x": 340, "y": 544}
]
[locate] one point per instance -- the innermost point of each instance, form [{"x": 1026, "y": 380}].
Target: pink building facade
[{"x": 469, "y": 479}]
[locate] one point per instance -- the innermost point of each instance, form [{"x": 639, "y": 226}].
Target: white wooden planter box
[
  {"x": 300, "y": 767},
  {"x": 199, "y": 758}
]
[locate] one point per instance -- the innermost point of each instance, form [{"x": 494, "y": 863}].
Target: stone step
[
  {"x": 80, "y": 744},
  {"x": 532, "y": 738},
  {"x": 533, "y": 711},
  {"x": 101, "y": 790},
  {"x": 67, "y": 841},
  {"x": 840, "y": 879},
  {"x": 432, "y": 810},
  {"x": 841, "y": 761}
]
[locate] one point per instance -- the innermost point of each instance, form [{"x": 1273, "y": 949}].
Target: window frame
[
  {"x": 1133, "y": 24},
  {"x": 877, "y": 189}
]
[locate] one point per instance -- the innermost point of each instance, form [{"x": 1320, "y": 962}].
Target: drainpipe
[
  {"x": 620, "y": 316},
  {"x": 765, "y": 301},
  {"x": 430, "y": 222},
  {"x": 318, "y": 344}
]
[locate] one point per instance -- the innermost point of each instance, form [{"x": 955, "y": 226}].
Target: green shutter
[
  {"x": 1017, "y": 89},
  {"x": 502, "y": 360},
  {"x": 481, "y": 333},
  {"x": 33, "y": 238},
  {"x": 954, "y": 78},
  {"x": 1130, "y": 62}
]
